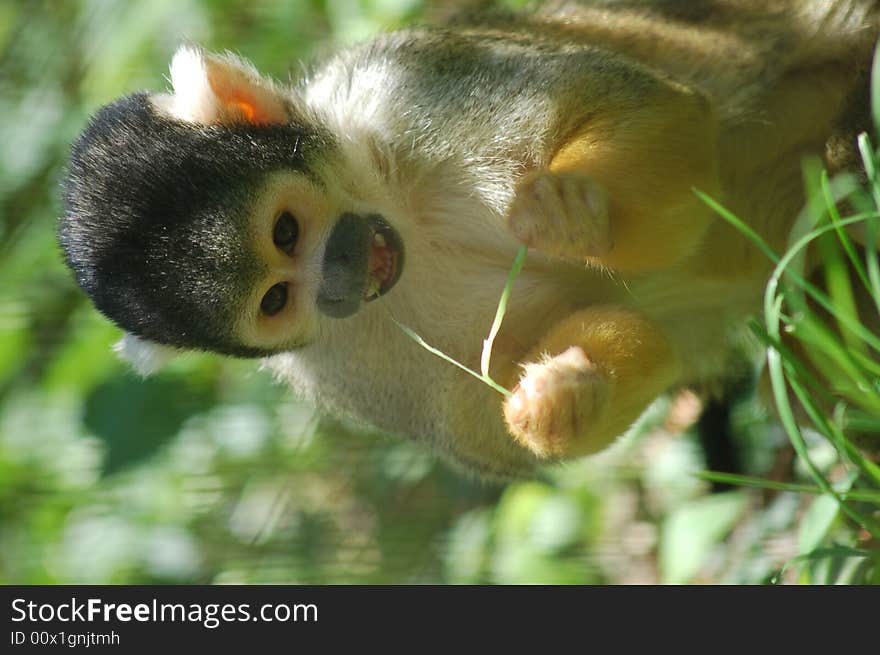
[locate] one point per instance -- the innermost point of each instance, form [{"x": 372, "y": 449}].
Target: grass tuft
[{"x": 823, "y": 354}]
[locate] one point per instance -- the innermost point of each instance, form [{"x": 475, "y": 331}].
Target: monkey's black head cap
[{"x": 154, "y": 224}]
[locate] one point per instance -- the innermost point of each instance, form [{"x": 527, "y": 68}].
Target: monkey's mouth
[{"x": 385, "y": 263}]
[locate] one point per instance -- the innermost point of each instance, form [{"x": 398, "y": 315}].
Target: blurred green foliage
[{"x": 210, "y": 472}]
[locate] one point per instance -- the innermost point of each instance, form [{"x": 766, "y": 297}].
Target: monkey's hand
[
  {"x": 556, "y": 401},
  {"x": 618, "y": 190},
  {"x": 563, "y": 214},
  {"x": 588, "y": 379}
]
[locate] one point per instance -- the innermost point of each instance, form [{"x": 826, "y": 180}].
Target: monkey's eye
[
  {"x": 274, "y": 300},
  {"x": 285, "y": 232}
]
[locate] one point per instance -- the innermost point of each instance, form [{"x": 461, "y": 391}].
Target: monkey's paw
[
  {"x": 555, "y": 404},
  {"x": 563, "y": 214}
]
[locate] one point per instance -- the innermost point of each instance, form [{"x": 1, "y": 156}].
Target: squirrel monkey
[{"x": 399, "y": 178}]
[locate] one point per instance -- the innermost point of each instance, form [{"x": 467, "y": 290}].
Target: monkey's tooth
[
  {"x": 373, "y": 288},
  {"x": 379, "y": 240}
]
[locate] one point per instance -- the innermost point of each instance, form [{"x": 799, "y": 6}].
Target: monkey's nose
[{"x": 344, "y": 269}]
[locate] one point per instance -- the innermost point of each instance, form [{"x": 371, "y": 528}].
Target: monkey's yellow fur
[{"x": 646, "y": 158}]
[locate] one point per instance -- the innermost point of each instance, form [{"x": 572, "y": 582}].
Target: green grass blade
[
  {"x": 843, "y": 445},
  {"x": 859, "y": 421},
  {"x": 816, "y": 294},
  {"x": 861, "y": 495},
  {"x": 875, "y": 88},
  {"x": 868, "y": 159},
  {"x": 837, "y": 363},
  {"x": 779, "y": 385},
  {"x": 486, "y": 355},
  {"x": 838, "y": 283},
  {"x": 734, "y": 220},
  {"x": 822, "y": 553},
  {"x": 783, "y": 262},
  {"x": 791, "y": 360},
  {"x": 786, "y": 414},
  {"x": 844, "y": 238},
  {"x": 442, "y": 355}
]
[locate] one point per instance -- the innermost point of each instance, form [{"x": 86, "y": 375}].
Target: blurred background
[{"x": 209, "y": 472}]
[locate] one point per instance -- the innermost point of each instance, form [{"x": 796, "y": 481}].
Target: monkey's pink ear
[
  {"x": 145, "y": 357},
  {"x": 220, "y": 89}
]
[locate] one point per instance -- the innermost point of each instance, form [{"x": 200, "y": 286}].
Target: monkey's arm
[
  {"x": 591, "y": 376},
  {"x": 619, "y": 190}
]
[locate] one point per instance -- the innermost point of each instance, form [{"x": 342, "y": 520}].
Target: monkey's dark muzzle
[{"x": 363, "y": 260}]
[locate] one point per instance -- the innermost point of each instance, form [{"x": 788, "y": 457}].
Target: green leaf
[
  {"x": 468, "y": 548},
  {"x": 834, "y": 551},
  {"x": 816, "y": 523},
  {"x": 134, "y": 417},
  {"x": 691, "y": 531}
]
